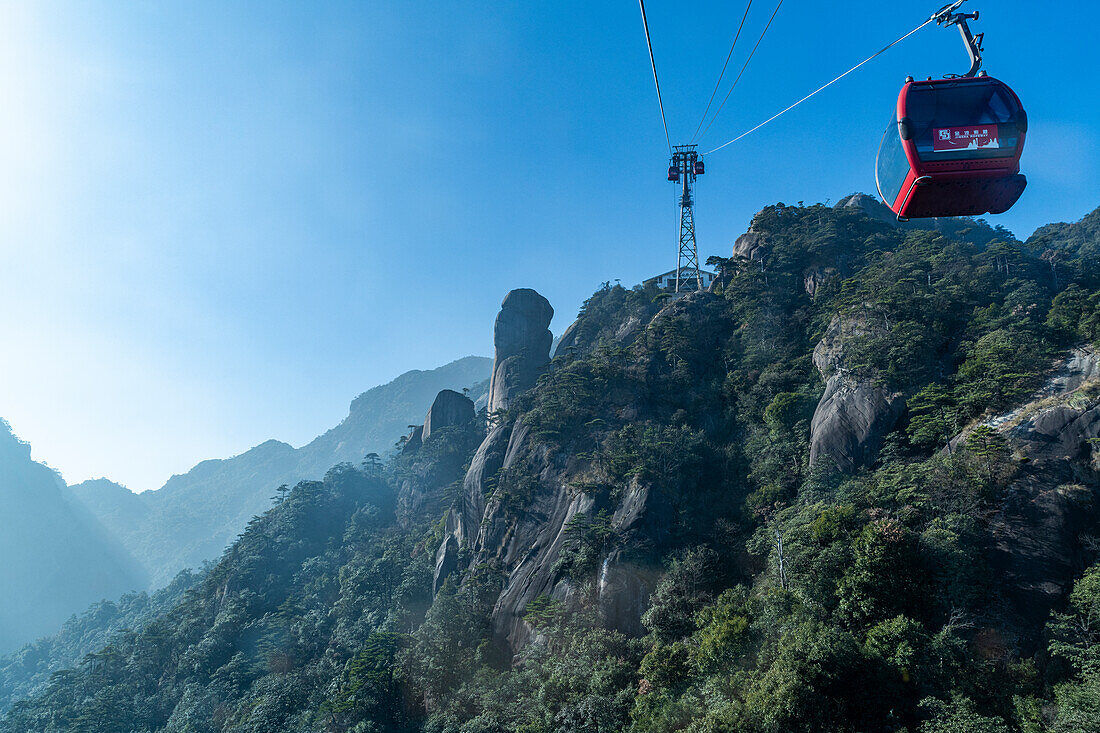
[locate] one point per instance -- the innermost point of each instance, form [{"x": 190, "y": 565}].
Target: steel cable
[
  {"x": 723, "y": 72},
  {"x": 653, "y": 63},
  {"x": 745, "y": 66},
  {"x": 823, "y": 87}
]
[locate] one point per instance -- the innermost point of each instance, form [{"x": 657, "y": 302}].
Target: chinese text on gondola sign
[{"x": 965, "y": 138}]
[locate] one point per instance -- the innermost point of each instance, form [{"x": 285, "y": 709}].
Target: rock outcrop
[
  {"x": 749, "y": 245},
  {"x": 1054, "y": 499},
  {"x": 568, "y": 339},
  {"x": 869, "y": 206},
  {"x": 521, "y": 342},
  {"x": 519, "y": 498},
  {"x": 424, "y": 487},
  {"x": 522, "y": 345},
  {"x": 464, "y": 518},
  {"x": 525, "y": 541},
  {"x": 449, "y": 409},
  {"x": 414, "y": 440},
  {"x": 854, "y": 414}
]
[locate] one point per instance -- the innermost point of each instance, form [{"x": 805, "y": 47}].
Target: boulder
[
  {"x": 851, "y": 421},
  {"x": 522, "y": 345},
  {"x": 449, "y": 408}
]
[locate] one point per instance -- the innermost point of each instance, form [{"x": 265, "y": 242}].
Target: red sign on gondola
[{"x": 965, "y": 138}]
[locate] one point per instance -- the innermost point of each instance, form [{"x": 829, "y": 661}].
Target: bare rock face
[
  {"x": 526, "y": 541},
  {"x": 520, "y": 496},
  {"x": 1055, "y": 497},
  {"x": 424, "y": 488},
  {"x": 568, "y": 339},
  {"x": 449, "y": 408},
  {"x": 749, "y": 245},
  {"x": 522, "y": 341},
  {"x": 814, "y": 277},
  {"x": 854, "y": 414},
  {"x": 1062, "y": 421},
  {"x": 523, "y": 537},
  {"x": 1082, "y": 365},
  {"x": 1034, "y": 535},
  {"x": 464, "y": 518},
  {"x": 414, "y": 441}
]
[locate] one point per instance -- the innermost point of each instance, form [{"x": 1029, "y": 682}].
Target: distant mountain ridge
[
  {"x": 194, "y": 516},
  {"x": 57, "y": 558}
]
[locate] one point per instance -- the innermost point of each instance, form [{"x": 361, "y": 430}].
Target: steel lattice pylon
[{"x": 684, "y": 167}]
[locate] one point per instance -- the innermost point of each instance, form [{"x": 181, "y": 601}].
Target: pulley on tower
[{"x": 683, "y": 168}]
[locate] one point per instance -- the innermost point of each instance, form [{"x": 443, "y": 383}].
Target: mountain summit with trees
[{"x": 852, "y": 487}]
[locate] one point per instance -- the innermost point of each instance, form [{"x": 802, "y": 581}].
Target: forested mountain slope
[
  {"x": 29, "y": 668},
  {"x": 854, "y": 488},
  {"x": 193, "y": 517},
  {"x": 56, "y": 557}
]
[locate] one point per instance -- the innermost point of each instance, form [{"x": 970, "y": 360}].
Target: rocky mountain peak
[{"x": 868, "y": 206}]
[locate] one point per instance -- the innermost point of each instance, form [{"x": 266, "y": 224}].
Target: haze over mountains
[
  {"x": 57, "y": 558},
  {"x": 73, "y": 546},
  {"x": 194, "y": 516}
]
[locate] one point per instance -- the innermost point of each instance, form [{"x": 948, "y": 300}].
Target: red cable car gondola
[{"x": 954, "y": 145}]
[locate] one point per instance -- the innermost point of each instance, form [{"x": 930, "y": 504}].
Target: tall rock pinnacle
[{"x": 522, "y": 341}]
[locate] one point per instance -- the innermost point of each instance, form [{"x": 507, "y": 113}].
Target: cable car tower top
[{"x": 683, "y": 168}]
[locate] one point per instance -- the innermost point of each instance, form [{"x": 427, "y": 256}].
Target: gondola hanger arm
[{"x": 946, "y": 16}]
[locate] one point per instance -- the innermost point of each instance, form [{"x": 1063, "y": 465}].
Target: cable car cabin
[
  {"x": 953, "y": 149},
  {"x": 674, "y": 173},
  {"x": 699, "y": 169}
]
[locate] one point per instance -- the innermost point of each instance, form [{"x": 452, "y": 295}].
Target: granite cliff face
[
  {"x": 451, "y": 420},
  {"x": 522, "y": 496},
  {"x": 521, "y": 341},
  {"x": 519, "y": 503},
  {"x": 854, "y": 414}
]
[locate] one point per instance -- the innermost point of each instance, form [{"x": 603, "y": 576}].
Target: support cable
[
  {"x": 723, "y": 73},
  {"x": 745, "y": 66},
  {"x": 653, "y": 63},
  {"x": 823, "y": 87}
]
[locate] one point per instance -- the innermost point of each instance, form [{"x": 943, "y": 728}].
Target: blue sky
[{"x": 221, "y": 221}]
